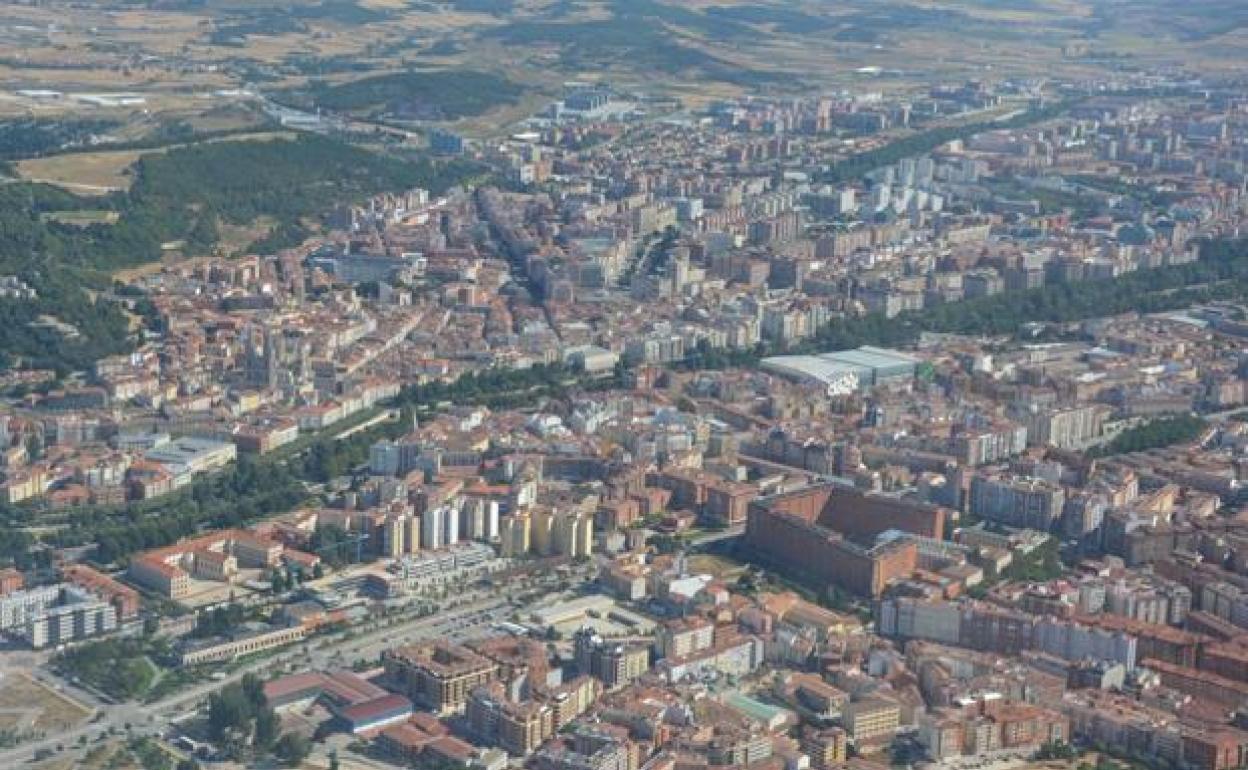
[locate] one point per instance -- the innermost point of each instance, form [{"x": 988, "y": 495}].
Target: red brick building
[
  {"x": 795, "y": 531},
  {"x": 860, "y": 515},
  {"x": 10, "y": 581},
  {"x": 1229, "y": 693},
  {"x": 1172, "y": 645},
  {"x": 125, "y": 600},
  {"x": 1227, "y": 659},
  {"x": 1214, "y": 750}
]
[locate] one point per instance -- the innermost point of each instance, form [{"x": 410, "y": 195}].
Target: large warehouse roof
[
  {"x": 875, "y": 358},
  {"x": 867, "y": 363},
  {"x": 812, "y": 367}
]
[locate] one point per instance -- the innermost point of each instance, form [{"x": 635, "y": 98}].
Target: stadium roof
[
  {"x": 828, "y": 368},
  {"x": 872, "y": 357},
  {"x": 812, "y": 367}
]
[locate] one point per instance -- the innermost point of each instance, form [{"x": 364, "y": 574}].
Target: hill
[{"x": 183, "y": 196}]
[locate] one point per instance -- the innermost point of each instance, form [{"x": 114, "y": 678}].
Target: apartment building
[{"x": 438, "y": 675}]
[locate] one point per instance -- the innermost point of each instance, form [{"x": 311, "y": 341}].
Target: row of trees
[
  {"x": 492, "y": 384},
  {"x": 1155, "y": 434},
  {"x": 29, "y": 137},
  {"x": 249, "y": 490},
  {"x": 856, "y": 166},
  {"x": 329, "y": 458},
  {"x": 1221, "y": 273}
]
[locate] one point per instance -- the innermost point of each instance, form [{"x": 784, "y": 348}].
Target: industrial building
[
  {"x": 847, "y": 371},
  {"x": 373, "y": 715}
]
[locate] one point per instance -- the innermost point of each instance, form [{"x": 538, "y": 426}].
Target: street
[{"x": 467, "y": 621}]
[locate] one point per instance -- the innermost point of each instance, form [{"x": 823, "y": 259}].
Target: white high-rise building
[
  {"x": 431, "y": 536},
  {"x": 848, "y": 202},
  {"x": 491, "y": 520},
  {"x": 881, "y": 197},
  {"x": 924, "y": 171}
]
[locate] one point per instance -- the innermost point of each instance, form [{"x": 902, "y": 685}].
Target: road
[
  {"x": 473, "y": 615},
  {"x": 1225, "y": 415},
  {"x": 460, "y": 623},
  {"x": 711, "y": 538}
]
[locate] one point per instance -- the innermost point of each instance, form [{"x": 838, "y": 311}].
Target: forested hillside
[{"x": 179, "y": 198}]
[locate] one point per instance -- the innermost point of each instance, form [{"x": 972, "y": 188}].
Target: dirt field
[
  {"x": 31, "y": 707},
  {"x": 82, "y": 218},
  {"x": 135, "y": 273},
  {"x": 101, "y": 757},
  {"x": 720, "y": 566}
]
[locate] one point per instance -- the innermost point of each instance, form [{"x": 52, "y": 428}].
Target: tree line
[
  {"x": 857, "y": 166},
  {"x": 1155, "y": 434},
  {"x": 31, "y": 137}
]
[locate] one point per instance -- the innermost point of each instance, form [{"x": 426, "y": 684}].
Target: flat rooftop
[
  {"x": 872, "y": 357},
  {"x": 830, "y": 367},
  {"x": 184, "y": 450}
]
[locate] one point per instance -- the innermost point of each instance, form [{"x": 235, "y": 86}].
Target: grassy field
[
  {"x": 721, "y": 567},
  {"x": 82, "y": 218},
  {"x": 105, "y": 171},
  {"x": 85, "y": 173}
]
